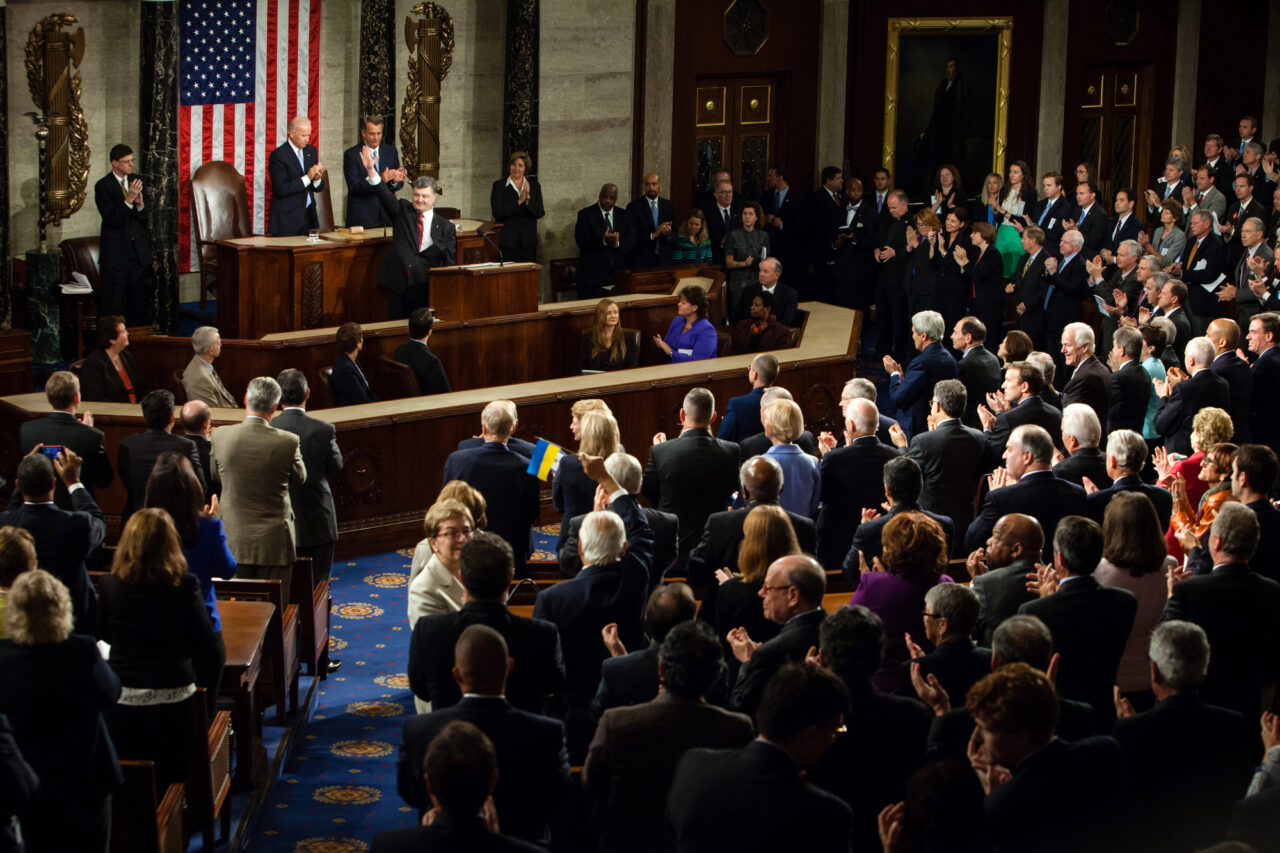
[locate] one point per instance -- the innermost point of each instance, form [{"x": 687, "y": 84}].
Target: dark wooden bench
[
  {"x": 143, "y": 819},
  {"x": 280, "y": 677},
  {"x": 314, "y": 602}
]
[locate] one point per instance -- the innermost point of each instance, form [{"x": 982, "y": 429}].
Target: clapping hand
[
  {"x": 1051, "y": 266},
  {"x": 1094, "y": 267},
  {"x": 609, "y": 633},
  {"x": 889, "y": 825},
  {"x": 891, "y": 366},
  {"x": 742, "y": 644},
  {"x": 1043, "y": 581},
  {"x": 1177, "y": 575},
  {"x": 1161, "y": 387},
  {"x": 1107, "y": 258},
  {"x": 1090, "y": 487},
  {"x": 961, "y": 256},
  {"x": 997, "y": 402},
  {"x": 1174, "y": 376},
  {"x": 1227, "y": 293},
  {"x": 1186, "y": 538},
  {"x": 897, "y": 436},
  {"x": 1161, "y": 462},
  {"x": 999, "y": 478},
  {"x": 913, "y": 648},
  {"x": 927, "y": 687},
  {"x": 976, "y": 563},
  {"x": 1124, "y": 708},
  {"x": 986, "y": 416},
  {"x": 869, "y": 514}
]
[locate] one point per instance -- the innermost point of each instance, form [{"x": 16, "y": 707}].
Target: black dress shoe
[{"x": 334, "y": 666}]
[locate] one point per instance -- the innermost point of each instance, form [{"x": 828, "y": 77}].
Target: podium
[{"x": 484, "y": 290}]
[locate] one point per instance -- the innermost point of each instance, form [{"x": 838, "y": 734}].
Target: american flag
[{"x": 246, "y": 68}]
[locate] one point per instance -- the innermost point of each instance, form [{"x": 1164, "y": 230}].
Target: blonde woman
[
  {"x": 17, "y": 555},
  {"x": 605, "y": 347},
  {"x": 801, "y": 481},
  {"x": 572, "y": 491}
]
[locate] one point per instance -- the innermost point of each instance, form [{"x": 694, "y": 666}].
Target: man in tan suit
[
  {"x": 256, "y": 463},
  {"x": 200, "y": 380}
]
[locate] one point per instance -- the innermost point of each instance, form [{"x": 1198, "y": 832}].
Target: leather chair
[
  {"x": 399, "y": 380},
  {"x": 447, "y": 212},
  {"x": 325, "y": 389},
  {"x": 179, "y": 390},
  {"x": 564, "y": 275},
  {"x": 631, "y": 336},
  {"x": 324, "y": 207},
  {"x": 220, "y": 211},
  {"x": 81, "y": 255}
]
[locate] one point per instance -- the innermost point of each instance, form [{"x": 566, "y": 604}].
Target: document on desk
[{"x": 78, "y": 286}]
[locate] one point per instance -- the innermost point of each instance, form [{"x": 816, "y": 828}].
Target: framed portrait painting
[{"x": 946, "y": 99}]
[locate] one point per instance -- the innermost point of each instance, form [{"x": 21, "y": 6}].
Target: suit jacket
[
  {"x": 717, "y": 231},
  {"x": 137, "y": 455},
  {"x": 598, "y": 262},
  {"x": 666, "y": 536},
  {"x": 501, "y": 475},
  {"x": 256, "y": 464},
  {"x": 533, "y": 764},
  {"x": 1064, "y": 292},
  {"x": 404, "y": 266},
  {"x": 979, "y": 369},
  {"x": 742, "y": 416},
  {"x": 292, "y": 203},
  {"x": 1088, "y": 462},
  {"x": 867, "y": 542},
  {"x": 363, "y": 207},
  {"x": 1095, "y": 228},
  {"x": 892, "y": 234},
  {"x": 792, "y": 644},
  {"x": 450, "y": 834},
  {"x": 205, "y": 451},
  {"x": 1214, "y": 201},
  {"x": 1160, "y": 498},
  {"x": 1209, "y": 263},
  {"x": 61, "y": 428},
  {"x": 632, "y": 762},
  {"x": 99, "y": 381},
  {"x": 957, "y": 664},
  {"x": 1131, "y": 390},
  {"x": 64, "y": 540},
  {"x": 1263, "y": 560},
  {"x": 1090, "y": 384},
  {"x": 533, "y": 643},
  {"x": 722, "y": 536},
  {"x": 1030, "y": 410},
  {"x": 518, "y": 445},
  {"x": 426, "y": 367},
  {"x": 1235, "y": 370},
  {"x": 348, "y": 383},
  {"x": 951, "y": 460},
  {"x": 825, "y": 215},
  {"x": 316, "y": 520},
  {"x": 785, "y": 303},
  {"x": 1239, "y": 610},
  {"x": 1030, "y": 286},
  {"x": 630, "y": 679},
  {"x": 1179, "y": 407},
  {"x": 1264, "y": 403},
  {"x": 714, "y": 789},
  {"x": 647, "y": 251},
  {"x": 1130, "y": 230},
  {"x": 852, "y": 480},
  {"x": 1256, "y": 820},
  {"x": 1090, "y": 624},
  {"x": 1048, "y": 214},
  {"x": 1247, "y": 302},
  {"x": 1000, "y": 593},
  {"x": 692, "y": 476},
  {"x": 1236, "y": 217},
  {"x": 910, "y": 392},
  {"x": 774, "y": 336},
  {"x": 519, "y": 221},
  {"x": 788, "y": 242},
  {"x": 1040, "y": 494},
  {"x": 123, "y": 241},
  {"x": 201, "y": 382}
]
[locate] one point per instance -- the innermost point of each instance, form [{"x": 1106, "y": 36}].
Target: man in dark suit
[
  {"x": 63, "y": 429},
  {"x": 1090, "y": 381},
  {"x": 363, "y": 207},
  {"x": 138, "y": 452},
  {"x": 1051, "y": 211},
  {"x": 1125, "y": 226},
  {"x": 1171, "y": 302},
  {"x": 296, "y": 175},
  {"x": 1126, "y": 455},
  {"x": 349, "y": 385},
  {"x": 784, "y": 218},
  {"x": 785, "y": 300},
  {"x": 902, "y": 485},
  {"x": 1224, "y": 334},
  {"x": 714, "y": 789},
  {"x": 1026, "y": 485},
  {"x": 652, "y": 219},
  {"x": 824, "y": 219},
  {"x": 1081, "y": 434},
  {"x": 633, "y": 755},
  {"x": 977, "y": 367},
  {"x": 792, "y": 593},
  {"x": 1090, "y": 220},
  {"x": 604, "y": 236},
  {"x": 742, "y": 414},
  {"x": 1126, "y": 277},
  {"x": 1029, "y": 285},
  {"x": 723, "y": 210},
  {"x": 631, "y": 677},
  {"x": 63, "y": 539},
  {"x": 1264, "y": 405},
  {"x": 1188, "y": 791},
  {"x": 1250, "y": 288},
  {"x": 533, "y": 764},
  {"x": 1130, "y": 384},
  {"x": 1238, "y": 609},
  {"x": 1066, "y": 285},
  {"x": 950, "y": 456},
  {"x": 1242, "y": 207},
  {"x": 956, "y": 662},
  {"x": 855, "y": 265},
  {"x": 1090, "y": 622},
  {"x": 1170, "y": 185},
  {"x": 487, "y": 572},
  {"x": 1202, "y": 268},
  {"x": 999, "y": 571},
  {"x": 1181, "y": 398},
  {"x": 315, "y": 519},
  {"x": 124, "y": 253},
  {"x": 197, "y": 425},
  {"x": 892, "y": 322},
  {"x": 519, "y": 445},
  {"x": 852, "y": 480},
  {"x": 1023, "y": 383},
  {"x": 416, "y": 353},
  {"x": 911, "y": 392},
  {"x": 694, "y": 474},
  {"x": 501, "y": 475}
]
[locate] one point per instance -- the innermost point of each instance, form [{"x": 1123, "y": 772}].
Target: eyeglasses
[
  {"x": 772, "y": 588},
  {"x": 929, "y": 615},
  {"x": 464, "y": 533}
]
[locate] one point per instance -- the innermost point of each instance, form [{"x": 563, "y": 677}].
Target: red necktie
[{"x": 422, "y": 221}]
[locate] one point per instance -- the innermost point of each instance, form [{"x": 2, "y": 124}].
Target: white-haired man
[
  {"x": 1126, "y": 454},
  {"x": 910, "y": 393},
  {"x": 1090, "y": 381},
  {"x": 1182, "y": 396},
  {"x": 200, "y": 380},
  {"x": 1081, "y": 433},
  {"x": 1066, "y": 286}
]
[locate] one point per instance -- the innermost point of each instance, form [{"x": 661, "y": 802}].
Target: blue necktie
[
  {"x": 1044, "y": 212},
  {"x": 653, "y": 208},
  {"x": 303, "y": 166}
]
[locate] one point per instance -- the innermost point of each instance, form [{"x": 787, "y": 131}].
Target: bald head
[
  {"x": 862, "y": 417},
  {"x": 1021, "y": 533},
  {"x": 195, "y": 417},
  {"x": 761, "y": 479},
  {"x": 1224, "y": 334},
  {"x": 806, "y": 575},
  {"x": 481, "y": 662}
]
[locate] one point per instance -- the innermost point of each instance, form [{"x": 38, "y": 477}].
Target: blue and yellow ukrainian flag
[{"x": 546, "y": 459}]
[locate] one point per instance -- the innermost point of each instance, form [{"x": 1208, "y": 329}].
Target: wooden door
[
  {"x": 1115, "y": 126},
  {"x": 734, "y": 128}
]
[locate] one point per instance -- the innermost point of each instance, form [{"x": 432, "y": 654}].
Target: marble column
[
  {"x": 158, "y": 130},
  {"x": 1186, "y": 70},
  {"x": 377, "y": 62},
  {"x": 833, "y": 65},
  {"x": 520, "y": 83},
  {"x": 6, "y": 306},
  {"x": 659, "y": 101},
  {"x": 1053, "y": 86}
]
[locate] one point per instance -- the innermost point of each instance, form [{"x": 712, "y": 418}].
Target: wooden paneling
[{"x": 1229, "y": 77}]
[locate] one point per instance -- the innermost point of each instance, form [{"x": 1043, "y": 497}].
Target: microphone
[{"x": 486, "y": 233}]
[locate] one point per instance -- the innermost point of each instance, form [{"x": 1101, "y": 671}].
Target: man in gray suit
[
  {"x": 256, "y": 464},
  {"x": 200, "y": 380}
]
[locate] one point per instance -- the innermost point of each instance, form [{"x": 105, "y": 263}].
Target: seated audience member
[
  {"x": 572, "y": 491},
  {"x": 1081, "y": 432},
  {"x": 761, "y": 479},
  {"x": 1126, "y": 454},
  {"x": 460, "y": 775},
  {"x": 785, "y": 300},
  {"x": 605, "y": 347},
  {"x": 519, "y": 445},
  {"x": 1183, "y": 396},
  {"x": 533, "y": 766},
  {"x": 416, "y": 352},
  {"x": 760, "y": 330},
  {"x": 1023, "y": 382},
  {"x": 1026, "y": 484},
  {"x": 742, "y": 415},
  {"x": 691, "y": 337},
  {"x": 950, "y": 456},
  {"x": 801, "y": 478},
  {"x": 1090, "y": 623},
  {"x": 692, "y": 243},
  {"x": 347, "y": 381},
  {"x": 62, "y": 735},
  {"x": 17, "y": 555},
  {"x": 956, "y": 662},
  {"x": 173, "y": 487},
  {"x": 1134, "y": 558},
  {"x": 902, "y": 485},
  {"x": 911, "y": 392},
  {"x": 631, "y": 764},
  {"x": 914, "y": 556},
  {"x": 197, "y": 425},
  {"x": 110, "y": 373},
  {"x": 1215, "y": 471},
  {"x": 487, "y": 571},
  {"x": 162, "y": 645},
  {"x": 1254, "y": 473},
  {"x": 1019, "y": 639},
  {"x": 756, "y": 797},
  {"x": 631, "y": 677},
  {"x": 63, "y": 539},
  {"x": 1238, "y": 609},
  {"x": 61, "y": 428},
  {"x": 501, "y": 475},
  {"x": 138, "y": 453},
  {"x": 200, "y": 381},
  {"x": 1090, "y": 381},
  {"x": 1189, "y": 761},
  {"x": 792, "y": 594},
  {"x": 1021, "y": 763},
  {"x": 435, "y": 586},
  {"x": 759, "y": 443},
  {"x": 851, "y": 645},
  {"x": 1131, "y": 386},
  {"x": 1000, "y": 568}
]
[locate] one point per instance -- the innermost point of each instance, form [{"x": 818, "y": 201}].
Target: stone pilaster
[
  {"x": 520, "y": 83},
  {"x": 377, "y": 62},
  {"x": 6, "y": 306},
  {"x": 158, "y": 132}
]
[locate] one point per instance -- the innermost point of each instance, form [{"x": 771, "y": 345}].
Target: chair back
[
  {"x": 81, "y": 255},
  {"x": 325, "y": 388},
  {"x": 179, "y": 390},
  {"x": 564, "y": 275},
  {"x": 399, "y": 380},
  {"x": 324, "y": 208},
  {"x": 219, "y": 206}
]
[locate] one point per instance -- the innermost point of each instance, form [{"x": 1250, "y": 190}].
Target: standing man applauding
[
  {"x": 362, "y": 201},
  {"x": 124, "y": 261},
  {"x": 296, "y": 175}
]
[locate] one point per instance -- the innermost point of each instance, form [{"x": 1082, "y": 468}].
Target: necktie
[
  {"x": 124, "y": 186},
  {"x": 1044, "y": 213},
  {"x": 1026, "y": 267},
  {"x": 1115, "y": 234},
  {"x": 1199, "y": 197},
  {"x": 728, "y": 225},
  {"x": 422, "y": 222},
  {"x": 608, "y": 222},
  {"x": 1080, "y": 221},
  {"x": 375, "y": 159},
  {"x": 1191, "y": 257},
  {"x": 879, "y": 203},
  {"x": 653, "y": 209},
  {"x": 303, "y": 166},
  {"x": 1244, "y": 271}
]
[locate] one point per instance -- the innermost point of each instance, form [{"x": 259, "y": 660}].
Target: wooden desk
[
  {"x": 471, "y": 292},
  {"x": 244, "y": 631}
]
